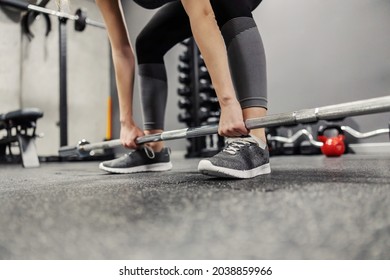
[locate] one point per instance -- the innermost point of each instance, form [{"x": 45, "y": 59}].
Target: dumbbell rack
[{"x": 198, "y": 100}]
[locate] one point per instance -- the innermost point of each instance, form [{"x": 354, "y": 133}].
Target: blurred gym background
[{"x": 318, "y": 53}]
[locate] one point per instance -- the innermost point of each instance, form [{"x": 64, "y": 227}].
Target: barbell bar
[
  {"x": 80, "y": 18},
  {"x": 332, "y": 112}
]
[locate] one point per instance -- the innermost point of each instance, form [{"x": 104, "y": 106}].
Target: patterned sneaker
[
  {"x": 141, "y": 160},
  {"x": 242, "y": 158}
]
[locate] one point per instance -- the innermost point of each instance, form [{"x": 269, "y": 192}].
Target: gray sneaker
[
  {"x": 141, "y": 160},
  {"x": 242, "y": 158}
]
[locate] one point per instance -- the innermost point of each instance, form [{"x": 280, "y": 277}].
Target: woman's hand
[
  {"x": 231, "y": 122},
  {"x": 129, "y": 133}
]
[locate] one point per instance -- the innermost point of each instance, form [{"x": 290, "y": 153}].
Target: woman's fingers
[{"x": 235, "y": 130}]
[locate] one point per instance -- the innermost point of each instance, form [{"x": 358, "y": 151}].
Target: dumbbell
[
  {"x": 205, "y": 75},
  {"x": 185, "y": 117},
  {"x": 204, "y": 100},
  {"x": 183, "y": 68},
  {"x": 185, "y": 57},
  {"x": 185, "y": 43},
  {"x": 211, "y": 102},
  {"x": 184, "y": 79},
  {"x": 202, "y": 115},
  {"x": 188, "y": 118},
  {"x": 184, "y": 91},
  {"x": 184, "y": 103}
]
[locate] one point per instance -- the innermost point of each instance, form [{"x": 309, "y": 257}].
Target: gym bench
[{"x": 20, "y": 126}]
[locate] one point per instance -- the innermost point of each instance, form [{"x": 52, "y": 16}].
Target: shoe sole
[
  {"x": 143, "y": 168},
  {"x": 207, "y": 168}
]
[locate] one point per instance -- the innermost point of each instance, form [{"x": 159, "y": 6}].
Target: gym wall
[
  {"x": 10, "y": 45},
  {"x": 29, "y": 76}
]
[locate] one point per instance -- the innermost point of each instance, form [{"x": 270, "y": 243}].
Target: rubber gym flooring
[{"x": 310, "y": 207}]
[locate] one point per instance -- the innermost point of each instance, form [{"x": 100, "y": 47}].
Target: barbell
[{"x": 332, "y": 112}]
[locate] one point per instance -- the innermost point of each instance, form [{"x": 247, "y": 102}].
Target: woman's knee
[{"x": 147, "y": 48}]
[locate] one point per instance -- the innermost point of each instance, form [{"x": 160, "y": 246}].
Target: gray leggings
[{"x": 170, "y": 25}]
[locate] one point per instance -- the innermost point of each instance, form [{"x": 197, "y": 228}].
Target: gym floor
[{"x": 310, "y": 207}]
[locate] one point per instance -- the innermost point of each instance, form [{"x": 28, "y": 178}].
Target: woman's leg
[
  {"x": 169, "y": 26},
  {"x": 243, "y": 157},
  {"x": 246, "y": 56},
  {"x": 210, "y": 42}
]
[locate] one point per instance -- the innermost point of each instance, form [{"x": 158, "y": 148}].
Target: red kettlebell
[{"x": 333, "y": 146}]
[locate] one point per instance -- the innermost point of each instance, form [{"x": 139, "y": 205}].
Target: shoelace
[
  {"x": 233, "y": 145},
  {"x": 148, "y": 151}
]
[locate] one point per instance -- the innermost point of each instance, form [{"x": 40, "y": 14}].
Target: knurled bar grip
[{"x": 356, "y": 108}]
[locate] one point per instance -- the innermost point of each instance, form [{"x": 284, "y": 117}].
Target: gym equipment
[
  {"x": 364, "y": 135},
  {"x": 199, "y": 100},
  {"x": 193, "y": 115},
  {"x": 20, "y": 127},
  {"x": 204, "y": 100},
  {"x": 335, "y": 145},
  {"x": 184, "y": 79},
  {"x": 80, "y": 22},
  {"x": 185, "y": 92},
  {"x": 332, "y": 146},
  {"x": 80, "y": 18},
  {"x": 367, "y": 147},
  {"x": 298, "y": 139},
  {"x": 31, "y": 16},
  {"x": 185, "y": 57},
  {"x": 203, "y": 115},
  {"x": 183, "y": 68},
  {"x": 303, "y": 142},
  {"x": 303, "y": 133},
  {"x": 333, "y": 112}
]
